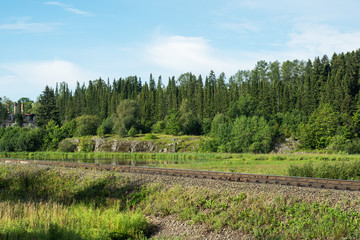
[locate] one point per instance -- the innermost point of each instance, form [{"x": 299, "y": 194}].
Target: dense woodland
[{"x": 315, "y": 101}]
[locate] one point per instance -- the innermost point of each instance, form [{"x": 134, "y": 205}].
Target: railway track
[{"x": 237, "y": 177}]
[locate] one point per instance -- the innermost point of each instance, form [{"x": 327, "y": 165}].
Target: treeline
[{"x": 316, "y": 101}]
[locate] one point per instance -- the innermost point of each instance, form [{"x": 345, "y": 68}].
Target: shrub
[
  {"x": 158, "y": 127},
  {"x": 150, "y": 136},
  {"x": 132, "y": 132},
  {"x": 86, "y": 144},
  {"x": 66, "y": 146},
  {"x": 86, "y": 125},
  {"x": 338, "y": 170}
]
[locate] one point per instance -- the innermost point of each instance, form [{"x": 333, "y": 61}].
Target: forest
[{"x": 316, "y": 102}]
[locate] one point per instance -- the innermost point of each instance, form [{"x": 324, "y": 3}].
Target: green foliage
[
  {"x": 22, "y": 139},
  {"x": 66, "y": 146},
  {"x": 19, "y": 119},
  {"x": 206, "y": 126},
  {"x": 190, "y": 123},
  {"x": 132, "y": 132},
  {"x": 339, "y": 143},
  {"x": 245, "y": 134},
  {"x": 150, "y": 136},
  {"x": 31, "y": 140},
  {"x": 158, "y": 127},
  {"x": 127, "y": 116},
  {"x": 172, "y": 123},
  {"x": 251, "y": 134},
  {"x": 86, "y": 144},
  {"x": 100, "y": 131},
  {"x": 47, "y": 109},
  {"x": 245, "y": 106},
  {"x": 53, "y": 136},
  {"x": 333, "y": 170},
  {"x": 68, "y": 129},
  {"x": 86, "y": 125},
  {"x": 208, "y": 145},
  {"x": 107, "y": 125},
  {"x": 3, "y": 112},
  {"x": 322, "y": 126}
]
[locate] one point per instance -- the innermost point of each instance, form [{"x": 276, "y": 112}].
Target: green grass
[
  {"x": 274, "y": 164},
  {"x": 56, "y": 203},
  {"x": 264, "y": 216},
  {"x": 53, "y": 204},
  {"x": 347, "y": 170},
  {"x": 48, "y": 220}
]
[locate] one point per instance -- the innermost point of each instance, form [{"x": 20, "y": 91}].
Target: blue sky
[{"x": 44, "y": 42}]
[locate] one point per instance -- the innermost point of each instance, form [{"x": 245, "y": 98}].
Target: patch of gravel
[{"x": 171, "y": 228}]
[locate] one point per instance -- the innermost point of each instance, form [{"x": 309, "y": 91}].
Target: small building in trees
[{"x": 26, "y": 119}]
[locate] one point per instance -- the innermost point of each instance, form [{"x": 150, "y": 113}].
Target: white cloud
[
  {"x": 69, "y": 8},
  {"x": 179, "y": 54},
  {"x": 25, "y": 25},
  {"x": 30, "y": 78},
  {"x": 319, "y": 39}
]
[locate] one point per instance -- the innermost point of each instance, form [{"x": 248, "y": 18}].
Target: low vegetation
[
  {"x": 56, "y": 203},
  {"x": 334, "y": 170},
  {"x": 322, "y": 165}
]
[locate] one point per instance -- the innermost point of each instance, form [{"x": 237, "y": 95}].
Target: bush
[
  {"x": 338, "y": 170},
  {"x": 158, "y": 127},
  {"x": 150, "y": 136},
  {"x": 208, "y": 145},
  {"x": 66, "y": 146},
  {"x": 86, "y": 125},
  {"x": 86, "y": 145},
  {"x": 132, "y": 132},
  {"x": 9, "y": 140}
]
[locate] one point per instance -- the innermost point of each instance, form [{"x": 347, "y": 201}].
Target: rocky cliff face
[
  {"x": 103, "y": 145},
  {"x": 114, "y": 145}
]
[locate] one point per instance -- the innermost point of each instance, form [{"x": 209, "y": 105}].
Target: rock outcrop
[{"x": 115, "y": 145}]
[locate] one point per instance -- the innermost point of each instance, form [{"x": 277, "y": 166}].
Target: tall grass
[
  {"x": 43, "y": 203},
  {"x": 346, "y": 170},
  {"x": 49, "y": 220}
]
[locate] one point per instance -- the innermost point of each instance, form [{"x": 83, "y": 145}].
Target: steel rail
[{"x": 200, "y": 174}]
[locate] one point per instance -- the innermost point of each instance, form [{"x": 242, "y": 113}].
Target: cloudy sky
[{"x": 44, "y": 42}]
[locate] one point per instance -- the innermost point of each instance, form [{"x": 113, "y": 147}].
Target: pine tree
[{"x": 47, "y": 110}]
